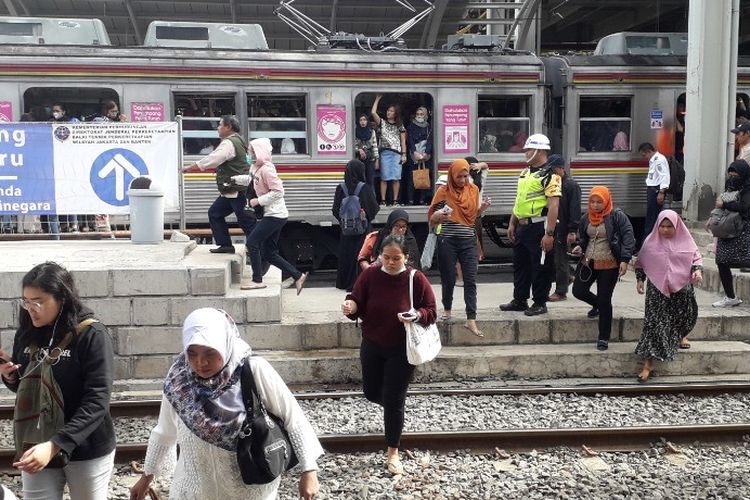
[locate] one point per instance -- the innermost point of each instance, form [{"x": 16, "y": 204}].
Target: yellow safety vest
[{"x": 530, "y": 197}]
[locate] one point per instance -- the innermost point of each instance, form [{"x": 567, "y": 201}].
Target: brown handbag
[{"x": 421, "y": 176}]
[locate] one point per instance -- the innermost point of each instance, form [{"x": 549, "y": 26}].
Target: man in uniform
[
  {"x": 229, "y": 158},
  {"x": 532, "y": 228}
]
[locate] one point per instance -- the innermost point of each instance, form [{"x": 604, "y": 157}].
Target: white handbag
[{"x": 422, "y": 342}]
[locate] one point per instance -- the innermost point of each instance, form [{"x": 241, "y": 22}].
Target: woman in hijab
[
  {"x": 734, "y": 252},
  {"x": 670, "y": 264},
  {"x": 349, "y": 244},
  {"x": 263, "y": 242},
  {"x": 397, "y": 225},
  {"x": 366, "y": 146},
  {"x": 380, "y": 298},
  {"x": 419, "y": 147},
  {"x": 202, "y": 411},
  {"x": 456, "y": 206},
  {"x": 607, "y": 244}
]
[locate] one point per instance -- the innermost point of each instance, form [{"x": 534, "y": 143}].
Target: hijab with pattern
[
  {"x": 212, "y": 408},
  {"x": 668, "y": 262},
  {"x": 463, "y": 200},
  {"x": 596, "y": 218}
]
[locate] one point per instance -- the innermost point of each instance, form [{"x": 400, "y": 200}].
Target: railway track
[{"x": 150, "y": 407}]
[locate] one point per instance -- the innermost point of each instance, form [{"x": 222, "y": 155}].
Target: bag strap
[
  {"x": 411, "y": 288},
  {"x": 253, "y": 404},
  {"x": 360, "y": 185},
  {"x": 343, "y": 188},
  {"x": 68, "y": 338}
]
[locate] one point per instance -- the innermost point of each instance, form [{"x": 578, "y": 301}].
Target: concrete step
[{"x": 337, "y": 366}]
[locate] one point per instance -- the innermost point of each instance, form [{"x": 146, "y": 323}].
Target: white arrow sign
[{"x": 119, "y": 164}]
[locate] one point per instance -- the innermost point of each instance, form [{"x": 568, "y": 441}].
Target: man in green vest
[
  {"x": 532, "y": 228},
  {"x": 229, "y": 158}
]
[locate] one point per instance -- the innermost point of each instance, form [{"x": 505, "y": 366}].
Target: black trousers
[
  {"x": 605, "y": 280},
  {"x": 727, "y": 282},
  {"x": 385, "y": 378},
  {"x": 217, "y": 213},
  {"x": 463, "y": 250},
  {"x": 528, "y": 271},
  {"x": 263, "y": 244}
]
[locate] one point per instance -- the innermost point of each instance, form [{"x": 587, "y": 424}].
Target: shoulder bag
[
  {"x": 422, "y": 342},
  {"x": 264, "y": 451},
  {"x": 421, "y": 176},
  {"x": 723, "y": 223}
]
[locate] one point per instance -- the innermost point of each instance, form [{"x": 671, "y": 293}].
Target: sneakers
[
  {"x": 535, "y": 310},
  {"x": 602, "y": 345},
  {"x": 727, "y": 302},
  {"x": 514, "y": 305},
  {"x": 593, "y": 313}
]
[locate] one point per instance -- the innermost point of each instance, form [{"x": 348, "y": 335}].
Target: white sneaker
[{"x": 727, "y": 302}]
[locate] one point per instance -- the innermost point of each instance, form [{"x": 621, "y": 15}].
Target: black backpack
[
  {"x": 676, "y": 178},
  {"x": 351, "y": 214}
]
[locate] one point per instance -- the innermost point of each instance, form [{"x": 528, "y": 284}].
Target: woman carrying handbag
[{"x": 381, "y": 299}]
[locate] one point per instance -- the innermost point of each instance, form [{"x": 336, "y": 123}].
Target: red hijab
[
  {"x": 463, "y": 200},
  {"x": 596, "y": 218}
]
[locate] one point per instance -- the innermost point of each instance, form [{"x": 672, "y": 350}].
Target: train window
[
  {"x": 280, "y": 117},
  {"x": 605, "y": 124},
  {"x": 200, "y": 116},
  {"x": 81, "y": 103},
  {"x": 503, "y": 123}
]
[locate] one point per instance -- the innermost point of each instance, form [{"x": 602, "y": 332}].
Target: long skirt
[
  {"x": 348, "y": 268},
  {"x": 667, "y": 320}
]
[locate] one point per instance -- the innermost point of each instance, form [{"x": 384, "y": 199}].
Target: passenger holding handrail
[{"x": 392, "y": 148}]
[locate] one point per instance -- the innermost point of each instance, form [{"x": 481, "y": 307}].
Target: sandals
[
  {"x": 395, "y": 467},
  {"x": 253, "y": 286},
  {"x": 684, "y": 343},
  {"x": 476, "y": 331},
  {"x": 300, "y": 283},
  {"x": 645, "y": 372}
]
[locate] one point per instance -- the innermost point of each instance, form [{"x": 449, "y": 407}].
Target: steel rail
[{"x": 150, "y": 407}]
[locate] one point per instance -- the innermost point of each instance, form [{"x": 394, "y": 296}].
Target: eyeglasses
[{"x": 30, "y": 305}]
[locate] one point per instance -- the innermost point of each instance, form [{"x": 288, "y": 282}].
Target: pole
[{"x": 180, "y": 176}]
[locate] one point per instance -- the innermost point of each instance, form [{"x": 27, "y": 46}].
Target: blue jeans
[
  {"x": 463, "y": 250},
  {"x": 217, "y": 213},
  {"x": 528, "y": 271},
  {"x": 652, "y": 209},
  {"x": 263, "y": 244}
]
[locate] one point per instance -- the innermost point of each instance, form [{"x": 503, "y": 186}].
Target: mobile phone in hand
[{"x": 407, "y": 316}]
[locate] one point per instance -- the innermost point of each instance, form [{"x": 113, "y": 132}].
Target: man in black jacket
[{"x": 567, "y": 226}]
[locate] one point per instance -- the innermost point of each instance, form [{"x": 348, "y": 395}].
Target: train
[{"x": 596, "y": 109}]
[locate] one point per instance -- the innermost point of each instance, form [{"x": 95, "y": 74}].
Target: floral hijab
[{"x": 211, "y": 408}]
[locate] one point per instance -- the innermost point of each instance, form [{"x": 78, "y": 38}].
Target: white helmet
[{"x": 537, "y": 141}]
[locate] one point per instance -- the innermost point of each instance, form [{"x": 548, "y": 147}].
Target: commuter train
[{"x": 596, "y": 109}]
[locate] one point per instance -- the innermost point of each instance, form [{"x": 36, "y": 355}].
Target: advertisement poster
[
  {"x": 456, "y": 128},
  {"x": 331, "y": 129},
  {"x": 147, "y": 112},
  {"x": 6, "y": 111},
  {"x": 84, "y": 168}
]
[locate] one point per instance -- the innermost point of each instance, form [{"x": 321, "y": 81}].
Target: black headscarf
[
  {"x": 743, "y": 181},
  {"x": 363, "y": 133},
  {"x": 355, "y": 173},
  {"x": 411, "y": 242}
]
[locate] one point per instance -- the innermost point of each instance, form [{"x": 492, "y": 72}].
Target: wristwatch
[{"x": 549, "y": 232}]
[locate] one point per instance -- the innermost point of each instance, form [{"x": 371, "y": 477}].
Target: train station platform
[{"x": 143, "y": 292}]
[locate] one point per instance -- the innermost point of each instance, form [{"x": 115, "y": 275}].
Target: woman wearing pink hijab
[{"x": 671, "y": 262}]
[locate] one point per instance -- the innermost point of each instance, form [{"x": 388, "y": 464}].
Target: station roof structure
[{"x": 562, "y": 24}]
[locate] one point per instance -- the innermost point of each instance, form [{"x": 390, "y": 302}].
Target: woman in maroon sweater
[{"x": 380, "y": 295}]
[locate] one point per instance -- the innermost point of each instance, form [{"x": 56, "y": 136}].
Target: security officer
[
  {"x": 229, "y": 158},
  {"x": 532, "y": 227}
]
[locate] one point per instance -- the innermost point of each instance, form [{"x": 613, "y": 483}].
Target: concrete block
[
  {"x": 151, "y": 311},
  {"x": 92, "y": 283},
  {"x": 339, "y": 366},
  {"x": 6, "y": 340},
  {"x": 8, "y": 312},
  {"x": 122, "y": 367},
  {"x": 579, "y": 330},
  {"x": 632, "y": 328},
  {"x": 495, "y": 332},
  {"x": 209, "y": 281},
  {"x": 533, "y": 331},
  {"x": 742, "y": 286},
  {"x": 148, "y": 340},
  {"x": 708, "y": 328},
  {"x": 276, "y": 337},
  {"x": 151, "y": 366},
  {"x": 183, "y": 306},
  {"x": 263, "y": 309},
  {"x": 318, "y": 336},
  {"x": 735, "y": 328},
  {"x": 350, "y": 335},
  {"x": 10, "y": 284},
  {"x": 131, "y": 282},
  {"x": 111, "y": 311}
]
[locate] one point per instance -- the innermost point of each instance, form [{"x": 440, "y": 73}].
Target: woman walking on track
[
  {"x": 607, "y": 244},
  {"x": 263, "y": 242},
  {"x": 202, "y": 411},
  {"x": 456, "y": 206},
  {"x": 380, "y": 298},
  {"x": 61, "y": 354},
  {"x": 670, "y": 264},
  {"x": 350, "y": 244}
]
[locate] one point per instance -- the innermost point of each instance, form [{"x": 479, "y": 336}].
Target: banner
[
  {"x": 456, "y": 129},
  {"x": 331, "y": 129},
  {"x": 84, "y": 168}
]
